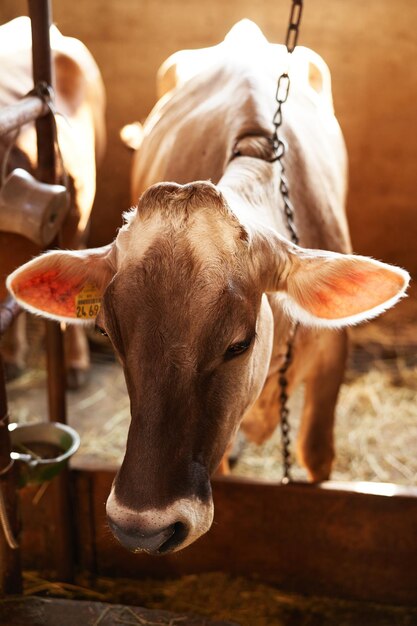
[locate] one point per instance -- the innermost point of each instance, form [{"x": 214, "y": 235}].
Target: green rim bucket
[{"x": 41, "y": 450}]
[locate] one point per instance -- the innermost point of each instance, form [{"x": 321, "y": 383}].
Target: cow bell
[{"x": 31, "y": 208}]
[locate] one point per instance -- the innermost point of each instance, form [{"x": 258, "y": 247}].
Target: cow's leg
[
  {"x": 231, "y": 455},
  {"x": 77, "y": 357},
  {"x": 14, "y": 348},
  {"x": 315, "y": 448},
  {"x": 224, "y": 467}
]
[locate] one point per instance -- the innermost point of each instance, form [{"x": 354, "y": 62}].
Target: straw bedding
[{"x": 222, "y": 597}]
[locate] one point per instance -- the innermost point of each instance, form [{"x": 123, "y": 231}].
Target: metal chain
[
  {"x": 45, "y": 92},
  {"x": 280, "y": 147}
]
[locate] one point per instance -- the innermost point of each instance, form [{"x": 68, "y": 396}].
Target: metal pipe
[
  {"x": 56, "y": 373},
  {"x": 16, "y": 115},
  {"x": 40, "y": 14},
  {"x": 9, "y": 310}
]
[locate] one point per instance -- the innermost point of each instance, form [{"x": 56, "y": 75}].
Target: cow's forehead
[
  {"x": 205, "y": 237},
  {"x": 177, "y": 272},
  {"x": 173, "y": 293},
  {"x": 195, "y": 214}
]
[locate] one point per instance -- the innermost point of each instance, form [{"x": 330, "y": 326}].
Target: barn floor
[
  {"x": 376, "y": 425},
  {"x": 32, "y": 611},
  {"x": 215, "y": 596}
]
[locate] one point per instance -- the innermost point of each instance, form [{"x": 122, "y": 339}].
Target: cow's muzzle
[{"x": 159, "y": 531}]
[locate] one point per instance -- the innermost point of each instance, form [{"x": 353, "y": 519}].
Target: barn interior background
[{"x": 370, "y": 49}]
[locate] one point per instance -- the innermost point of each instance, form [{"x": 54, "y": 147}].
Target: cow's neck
[{"x": 251, "y": 188}]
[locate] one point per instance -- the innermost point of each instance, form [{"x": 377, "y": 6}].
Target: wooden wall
[
  {"x": 371, "y": 48},
  {"x": 352, "y": 541}
]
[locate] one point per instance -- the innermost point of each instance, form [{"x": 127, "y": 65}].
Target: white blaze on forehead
[
  {"x": 208, "y": 233},
  {"x": 196, "y": 516},
  {"x": 137, "y": 236}
]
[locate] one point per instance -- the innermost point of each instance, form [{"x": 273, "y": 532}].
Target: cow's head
[{"x": 181, "y": 294}]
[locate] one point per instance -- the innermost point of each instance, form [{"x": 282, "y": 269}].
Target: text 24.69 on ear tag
[{"x": 87, "y": 302}]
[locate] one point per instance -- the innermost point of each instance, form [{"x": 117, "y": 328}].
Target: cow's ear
[
  {"x": 320, "y": 288},
  {"x": 64, "y": 286},
  {"x": 132, "y": 135}
]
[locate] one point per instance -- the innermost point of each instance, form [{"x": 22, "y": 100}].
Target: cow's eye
[
  {"x": 100, "y": 330},
  {"x": 237, "y": 348}
]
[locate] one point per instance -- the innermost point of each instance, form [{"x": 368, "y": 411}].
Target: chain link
[
  {"x": 294, "y": 25},
  {"x": 280, "y": 147},
  {"x": 46, "y": 93}
]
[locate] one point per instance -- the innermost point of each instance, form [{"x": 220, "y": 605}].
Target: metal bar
[
  {"x": 16, "y": 115},
  {"x": 41, "y": 18},
  {"x": 9, "y": 310},
  {"x": 56, "y": 373},
  {"x": 10, "y": 564},
  {"x": 40, "y": 15}
]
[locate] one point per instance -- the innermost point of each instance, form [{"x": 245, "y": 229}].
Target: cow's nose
[
  {"x": 159, "y": 530},
  {"x": 159, "y": 542}
]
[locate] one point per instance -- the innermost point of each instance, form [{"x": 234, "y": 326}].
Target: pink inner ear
[
  {"x": 48, "y": 292},
  {"x": 353, "y": 292}
]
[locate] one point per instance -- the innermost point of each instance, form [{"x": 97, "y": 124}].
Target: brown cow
[
  {"x": 80, "y": 98},
  {"x": 201, "y": 286}
]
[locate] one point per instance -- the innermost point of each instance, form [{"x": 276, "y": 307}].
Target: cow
[
  {"x": 80, "y": 101},
  {"x": 201, "y": 288}
]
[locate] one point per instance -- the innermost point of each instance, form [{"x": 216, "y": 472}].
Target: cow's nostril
[
  {"x": 136, "y": 541},
  {"x": 160, "y": 542},
  {"x": 178, "y": 536}
]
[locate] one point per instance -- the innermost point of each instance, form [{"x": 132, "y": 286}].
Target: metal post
[
  {"x": 10, "y": 565},
  {"x": 40, "y": 14},
  {"x": 9, "y": 310},
  {"x": 10, "y": 561}
]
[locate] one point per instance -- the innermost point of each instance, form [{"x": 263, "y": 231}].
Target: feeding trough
[{"x": 41, "y": 449}]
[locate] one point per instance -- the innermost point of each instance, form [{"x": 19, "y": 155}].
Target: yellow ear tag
[{"x": 87, "y": 302}]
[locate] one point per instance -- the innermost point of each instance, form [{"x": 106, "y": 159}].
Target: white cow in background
[{"x": 80, "y": 98}]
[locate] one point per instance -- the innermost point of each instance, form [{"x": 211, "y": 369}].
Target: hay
[
  {"x": 375, "y": 432},
  {"x": 220, "y": 596}
]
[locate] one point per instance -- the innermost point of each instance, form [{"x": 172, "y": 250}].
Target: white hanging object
[{"x": 31, "y": 208}]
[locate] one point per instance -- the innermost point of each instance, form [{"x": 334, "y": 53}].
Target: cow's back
[{"x": 215, "y": 96}]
